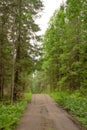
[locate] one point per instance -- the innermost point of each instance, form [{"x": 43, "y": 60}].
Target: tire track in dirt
[{"x": 43, "y": 114}]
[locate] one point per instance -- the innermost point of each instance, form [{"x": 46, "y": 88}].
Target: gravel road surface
[{"x": 43, "y": 113}]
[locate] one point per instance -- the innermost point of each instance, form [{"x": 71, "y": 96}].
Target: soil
[{"x": 43, "y": 113}]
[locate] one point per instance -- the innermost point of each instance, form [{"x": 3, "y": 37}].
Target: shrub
[
  {"x": 10, "y": 114},
  {"x": 74, "y": 103}
]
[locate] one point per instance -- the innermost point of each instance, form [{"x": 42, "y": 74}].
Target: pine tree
[{"x": 17, "y": 51}]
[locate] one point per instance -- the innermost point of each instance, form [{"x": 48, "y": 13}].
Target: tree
[
  {"x": 17, "y": 48},
  {"x": 64, "y": 46},
  {"x": 53, "y": 48},
  {"x": 5, "y": 48},
  {"x": 24, "y": 46}
]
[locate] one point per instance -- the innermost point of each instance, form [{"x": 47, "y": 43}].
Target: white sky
[{"x": 50, "y": 7}]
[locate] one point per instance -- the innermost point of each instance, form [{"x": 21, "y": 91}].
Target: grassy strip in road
[
  {"x": 74, "y": 102},
  {"x": 10, "y": 114}
]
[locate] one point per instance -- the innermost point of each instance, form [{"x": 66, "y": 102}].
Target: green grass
[
  {"x": 75, "y": 103},
  {"x": 10, "y": 114}
]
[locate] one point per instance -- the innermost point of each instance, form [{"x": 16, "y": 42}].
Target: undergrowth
[
  {"x": 10, "y": 114},
  {"x": 75, "y": 103}
]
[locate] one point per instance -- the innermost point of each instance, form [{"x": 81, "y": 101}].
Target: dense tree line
[
  {"x": 18, "y": 47},
  {"x": 65, "y": 47}
]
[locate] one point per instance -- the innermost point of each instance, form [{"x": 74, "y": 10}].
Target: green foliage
[
  {"x": 75, "y": 103},
  {"x": 10, "y": 114},
  {"x": 65, "y": 48},
  {"x": 18, "y": 47},
  {"x": 38, "y": 82}
]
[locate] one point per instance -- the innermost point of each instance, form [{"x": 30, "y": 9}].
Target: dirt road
[{"x": 44, "y": 114}]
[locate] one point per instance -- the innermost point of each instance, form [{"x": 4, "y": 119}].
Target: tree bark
[{"x": 16, "y": 78}]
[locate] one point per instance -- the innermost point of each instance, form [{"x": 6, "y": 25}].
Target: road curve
[{"x": 44, "y": 114}]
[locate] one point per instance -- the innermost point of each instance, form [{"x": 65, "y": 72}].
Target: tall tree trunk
[
  {"x": 16, "y": 78},
  {"x": 13, "y": 71},
  {"x": 2, "y": 63}
]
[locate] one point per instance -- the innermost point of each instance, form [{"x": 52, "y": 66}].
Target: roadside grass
[
  {"x": 75, "y": 103},
  {"x": 10, "y": 114}
]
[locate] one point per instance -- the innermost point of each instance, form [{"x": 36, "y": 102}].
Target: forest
[{"x": 57, "y": 66}]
